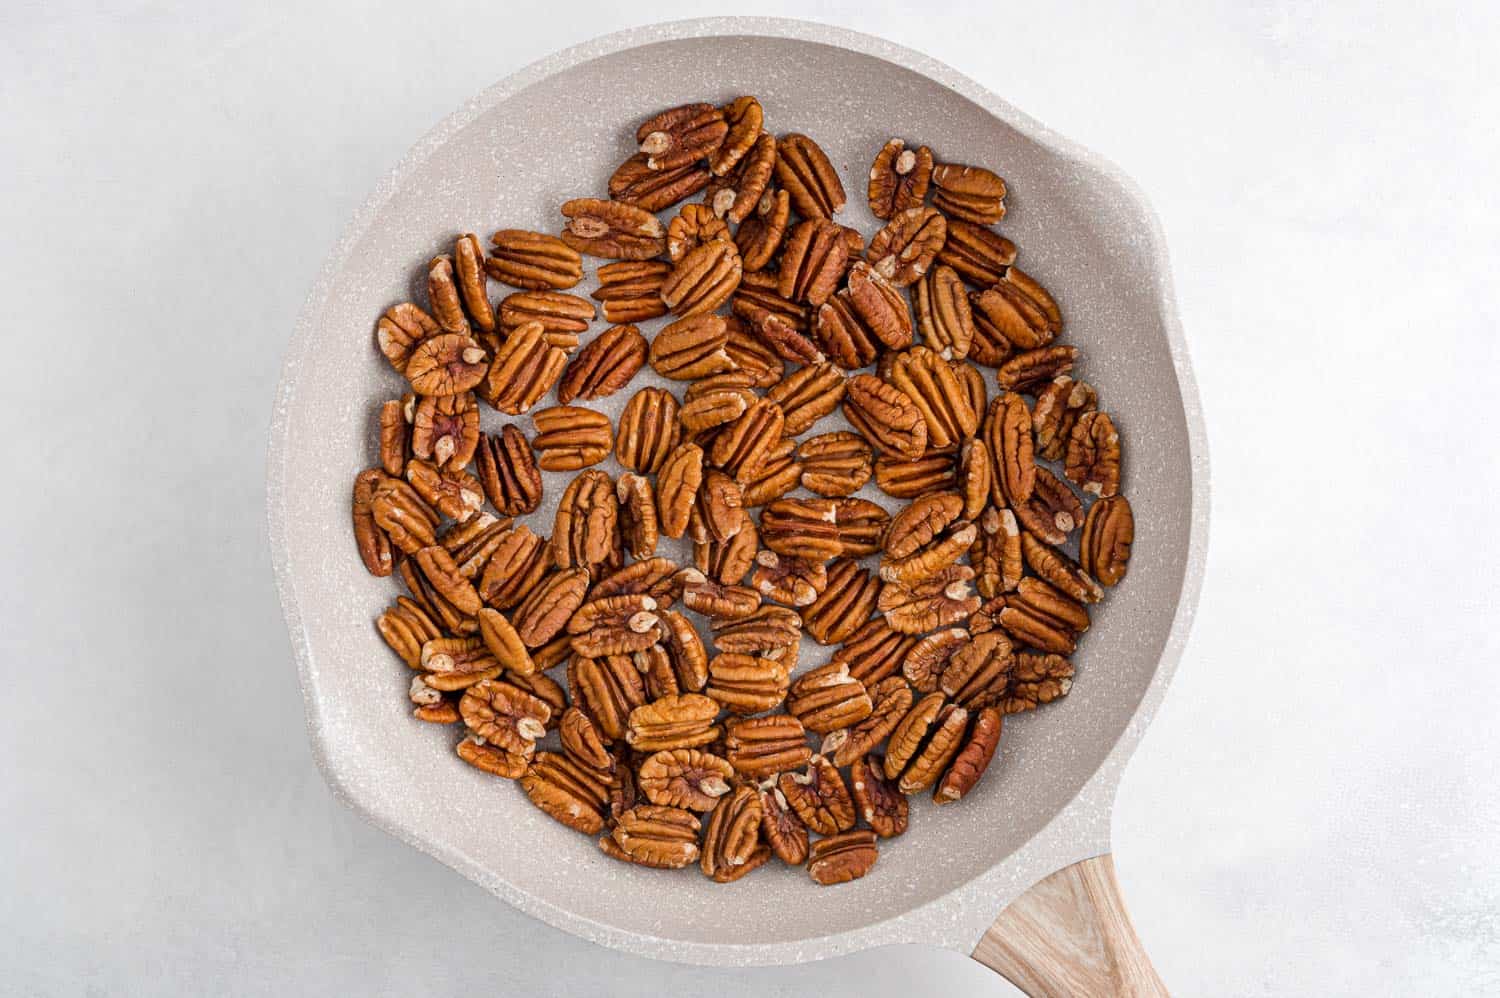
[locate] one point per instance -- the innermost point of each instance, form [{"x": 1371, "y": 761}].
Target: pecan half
[
  {"x": 975, "y": 474},
  {"x": 836, "y": 464},
  {"x": 784, "y": 832},
  {"x": 694, "y": 226},
  {"x": 503, "y": 642},
  {"x": 943, "y": 313},
  {"x": 756, "y": 362},
  {"x": 443, "y": 295},
  {"x": 812, "y": 261},
  {"x": 654, "y": 577},
  {"x": 682, "y": 135},
  {"x": 760, "y": 234},
  {"x": 1053, "y": 511},
  {"x": 828, "y": 698},
  {"x": 703, "y": 278},
  {"x": 886, "y": 416},
  {"x": 519, "y": 562},
  {"x": 445, "y": 429},
  {"x": 841, "y": 858},
  {"x": 581, "y": 740},
  {"x": 874, "y": 652},
  {"x": 648, "y": 434},
  {"x": 803, "y": 169},
  {"x": 844, "y": 335},
  {"x": 457, "y": 663},
  {"x": 802, "y": 528},
  {"x": 732, "y": 846},
  {"x": 663, "y": 838},
  {"x": 547, "y": 609},
  {"x": 744, "y": 118},
  {"x": 930, "y": 658},
  {"x": 737, "y": 192},
  {"x": 819, "y": 797},
  {"x": 508, "y": 472},
  {"x": 692, "y": 347},
  {"x": 630, "y": 291},
  {"x": 716, "y": 600},
  {"x": 395, "y": 433},
  {"x": 971, "y": 193},
  {"x": 980, "y": 255},
  {"x": 770, "y": 632},
  {"x": 677, "y": 482},
  {"x": 977, "y": 674},
  {"x": 400, "y": 330},
  {"x": 1109, "y": 530},
  {"x": 1060, "y": 570},
  {"x": 608, "y": 690},
  {"x": 492, "y": 759},
  {"x": 891, "y": 698},
  {"x": 406, "y": 627},
  {"x": 604, "y": 366},
  {"x": 1058, "y": 406},
  {"x": 845, "y": 604},
  {"x": 505, "y": 716},
  {"x": 615, "y": 625},
  {"x": 758, "y": 747},
  {"x": 1026, "y": 371},
  {"x": 996, "y": 555},
  {"x": 635, "y": 183},
  {"x": 613, "y": 230},
  {"x": 1093, "y": 455},
  {"x": 586, "y": 527},
  {"x": 441, "y": 572},
  {"x": 898, "y": 178},
  {"x": 778, "y": 474},
  {"x": 570, "y": 437},
  {"x": 691, "y": 779},
  {"x": 1007, "y": 432},
  {"x": 741, "y": 446},
  {"x": 524, "y": 368},
  {"x": 878, "y": 800},
  {"x": 562, "y": 316},
  {"x": 1037, "y": 678},
  {"x": 374, "y": 546},
  {"x": 880, "y": 306},
  {"x": 446, "y": 364},
  {"x": 973, "y": 757},
  {"x": 930, "y": 382},
  {"x": 924, "y": 743},
  {"x": 709, "y": 409},
  {"x": 807, "y": 395},
  {"x": 682, "y": 721},
  {"x": 759, "y": 294},
  {"x": 1036, "y": 614},
  {"x": 906, "y": 479},
  {"x": 937, "y": 601},
  {"x": 728, "y": 560},
  {"x": 1007, "y": 311},
  {"x": 570, "y": 792},
  {"x": 533, "y": 261},
  {"x": 904, "y": 250},
  {"x": 746, "y": 684}
]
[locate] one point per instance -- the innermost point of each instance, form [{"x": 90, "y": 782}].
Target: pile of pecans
[{"x": 779, "y": 317}]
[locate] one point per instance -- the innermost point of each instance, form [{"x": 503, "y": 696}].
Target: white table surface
[{"x": 1314, "y": 810}]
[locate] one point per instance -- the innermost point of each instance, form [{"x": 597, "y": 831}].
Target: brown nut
[
  {"x": 934, "y": 388},
  {"x": 846, "y": 603},
  {"x": 861, "y": 524},
  {"x": 517, "y": 565},
  {"x": 570, "y": 792},
  {"x": 836, "y": 464},
  {"x": 1060, "y": 570},
  {"x": 906, "y": 479},
  {"x": 1007, "y": 432},
  {"x": 639, "y": 526},
  {"x": 682, "y": 721},
  {"x": 508, "y": 472},
  {"x": 630, "y": 291},
  {"x": 491, "y": 758},
  {"x": 1093, "y": 455},
  {"x": 716, "y": 600},
  {"x": 635, "y": 183},
  {"x": 788, "y": 580},
  {"x": 996, "y": 555},
  {"x": 944, "y": 316},
  {"x": 973, "y": 757},
  {"x": 747, "y": 684},
  {"x": 447, "y": 364},
  {"x": 503, "y": 642},
  {"x": 758, "y": 747},
  {"x": 615, "y": 625},
  {"x": 886, "y": 416},
  {"x": 924, "y": 743},
  {"x": 373, "y": 543},
  {"x": 663, "y": 838},
  {"x": 654, "y": 577},
  {"x": 874, "y": 652},
  {"x": 613, "y": 230},
  {"x": 938, "y": 601},
  {"x": 812, "y": 261},
  {"x": 1109, "y": 530},
  {"x": 694, "y": 226},
  {"x": 691, "y": 779},
  {"x": 899, "y": 178},
  {"x": 760, "y": 234},
  {"x": 778, "y": 474},
  {"x": 1058, "y": 405},
  {"x": 770, "y": 632},
  {"x": 583, "y": 742},
  {"x": 524, "y": 369},
  {"x": 677, "y": 483},
  {"x": 533, "y": 261},
  {"x": 881, "y": 307},
  {"x": 703, "y": 279},
  {"x": 400, "y": 330},
  {"x": 843, "y": 334},
  {"x": 1037, "y": 678},
  {"x": 473, "y": 542},
  {"x": 445, "y": 429},
  {"x": 455, "y": 494},
  {"x": 977, "y": 674},
  {"x": 807, "y": 395},
  {"x": 971, "y": 193},
  {"x": 548, "y": 608},
  {"x": 783, "y": 831},
  {"x": 443, "y": 295},
  {"x": 570, "y": 437},
  {"x": 649, "y": 432},
  {"x": 891, "y": 698},
  {"x": 728, "y": 560},
  {"x": 878, "y": 800},
  {"x": 1053, "y": 511},
  {"x": 819, "y": 797},
  {"x": 457, "y": 663},
  {"x": 441, "y": 572},
  {"x": 904, "y": 250},
  {"x": 829, "y": 698},
  {"x": 1027, "y": 371},
  {"x": 396, "y": 417},
  {"x": 682, "y": 135},
  {"x": 406, "y": 627},
  {"x": 505, "y": 716},
  {"x": 803, "y": 169},
  {"x": 608, "y": 690},
  {"x": 744, "y": 118},
  {"x": 586, "y": 527},
  {"x": 742, "y": 445},
  {"x": 562, "y": 316},
  {"x": 802, "y": 528},
  {"x": 738, "y": 191},
  {"x": 976, "y": 474},
  {"x": 1010, "y": 313},
  {"x": 930, "y": 658},
  {"x": 841, "y": 858},
  {"x": 604, "y": 366},
  {"x": 692, "y": 347},
  {"x": 732, "y": 846},
  {"x": 979, "y": 255}
]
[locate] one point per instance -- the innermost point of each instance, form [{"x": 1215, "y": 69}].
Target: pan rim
[{"x": 1078, "y": 830}]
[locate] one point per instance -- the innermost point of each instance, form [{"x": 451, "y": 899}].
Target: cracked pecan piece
[
  {"x": 562, "y": 316},
  {"x": 874, "y": 652},
  {"x": 457, "y": 663},
  {"x": 783, "y": 831},
  {"x": 1053, "y": 511},
  {"x": 682, "y": 135},
  {"x": 732, "y": 846},
  {"x": 1007, "y": 433},
  {"x": 630, "y": 291},
  {"x": 819, "y": 797},
  {"x": 812, "y": 261},
  {"x": 396, "y": 417},
  {"x": 523, "y": 370},
  {"x": 1027, "y": 371},
  {"x": 836, "y": 464},
  {"x": 878, "y": 800},
  {"x": 1092, "y": 460},
  {"x": 979, "y": 255},
  {"x": 607, "y": 689},
  {"x": 973, "y": 757},
  {"x": 886, "y": 416},
  {"x": 944, "y": 316},
  {"x": 971, "y": 193},
  {"x": 663, "y": 838},
  {"x": 567, "y": 791},
  {"x": 898, "y": 178},
  {"x": 739, "y": 191},
  {"x": 691, "y": 779},
  {"x": 891, "y": 699},
  {"x": 923, "y": 744},
  {"x": 828, "y": 698},
  {"x": 406, "y": 627},
  {"x": 549, "y": 606},
  {"x": 937, "y": 601},
  {"x": 694, "y": 226},
  {"x": 1108, "y": 532},
  {"x": 533, "y": 261},
  {"x": 685, "y": 653},
  {"x": 570, "y": 437},
  {"x": 845, "y": 604},
  {"x": 758, "y": 747},
  {"x": 508, "y": 472},
  {"x": 446, "y": 364},
  {"x": 582, "y": 741},
  {"x": 1058, "y": 406},
  {"x": 635, "y": 183},
  {"x": 400, "y": 329},
  {"x": 996, "y": 555},
  {"x": 518, "y": 563},
  {"x": 747, "y": 684},
  {"x": 760, "y": 234},
  {"x": 639, "y": 526},
  {"x": 613, "y": 230},
  {"x": 691, "y": 348},
  {"x": 445, "y": 429},
  {"x": 615, "y": 625},
  {"x": 491, "y": 758},
  {"x": 933, "y": 387},
  {"x": 842, "y": 857},
  {"x": 682, "y": 721},
  {"x": 703, "y": 279},
  {"x": 586, "y": 527},
  {"x": 803, "y": 170},
  {"x": 443, "y": 296},
  {"x": 373, "y": 543},
  {"x": 1037, "y": 678},
  {"x": 505, "y": 716},
  {"x": 648, "y": 435},
  {"x": 904, "y": 250},
  {"x": 604, "y": 366}
]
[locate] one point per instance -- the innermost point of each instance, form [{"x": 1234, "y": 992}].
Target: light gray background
[{"x": 1314, "y": 809}]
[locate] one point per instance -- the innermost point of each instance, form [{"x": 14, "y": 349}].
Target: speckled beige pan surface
[{"x": 555, "y": 130}]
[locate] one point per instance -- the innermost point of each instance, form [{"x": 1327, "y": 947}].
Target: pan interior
[{"x": 511, "y": 167}]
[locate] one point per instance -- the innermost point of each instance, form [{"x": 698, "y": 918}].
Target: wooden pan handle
[{"x": 1070, "y": 935}]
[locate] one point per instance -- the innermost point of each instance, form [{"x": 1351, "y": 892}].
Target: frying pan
[{"x": 1030, "y": 844}]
